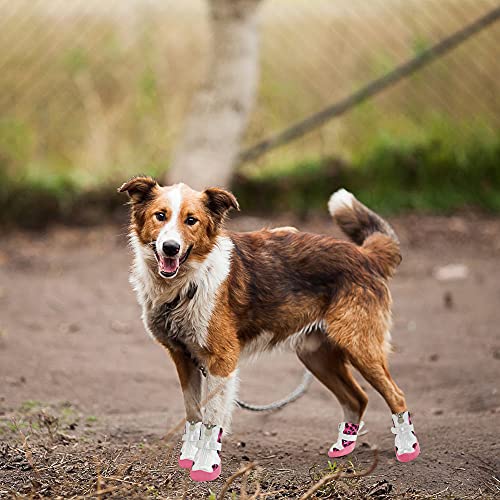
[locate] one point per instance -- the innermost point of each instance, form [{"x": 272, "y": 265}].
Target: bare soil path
[{"x": 95, "y": 396}]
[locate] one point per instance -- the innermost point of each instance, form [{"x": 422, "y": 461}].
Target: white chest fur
[{"x": 188, "y": 318}]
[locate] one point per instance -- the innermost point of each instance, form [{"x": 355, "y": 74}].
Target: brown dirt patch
[{"x": 95, "y": 396}]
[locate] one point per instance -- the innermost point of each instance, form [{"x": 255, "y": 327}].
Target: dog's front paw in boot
[
  {"x": 207, "y": 463},
  {"x": 346, "y": 442},
  {"x": 405, "y": 442},
  {"x": 189, "y": 448}
]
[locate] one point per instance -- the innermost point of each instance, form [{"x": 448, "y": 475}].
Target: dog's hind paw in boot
[
  {"x": 348, "y": 434},
  {"x": 405, "y": 442}
]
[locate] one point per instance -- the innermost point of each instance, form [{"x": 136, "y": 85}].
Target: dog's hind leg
[
  {"x": 328, "y": 364},
  {"x": 374, "y": 369},
  {"x": 359, "y": 326}
]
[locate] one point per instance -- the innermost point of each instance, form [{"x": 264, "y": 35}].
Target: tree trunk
[{"x": 219, "y": 113}]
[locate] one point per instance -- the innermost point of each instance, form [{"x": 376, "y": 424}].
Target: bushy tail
[{"x": 367, "y": 229}]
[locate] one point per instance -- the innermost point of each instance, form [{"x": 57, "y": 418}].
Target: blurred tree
[{"x": 220, "y": 109}]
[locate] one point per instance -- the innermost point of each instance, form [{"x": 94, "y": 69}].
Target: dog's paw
[
  {"x": 189, "y": 448},
  {"x": 207, "y": 463},
  {"x": 346, "y": 441},
  {"x": 200, "y": 476},
  {"x": 405, "y": 441}
]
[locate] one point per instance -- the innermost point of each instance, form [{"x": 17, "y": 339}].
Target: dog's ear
[
  {"x": 219, "y": 202},
  {"x": 138, "y": 188}
]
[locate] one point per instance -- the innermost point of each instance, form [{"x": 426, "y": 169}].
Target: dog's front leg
[
  {"x": 190, "y": 378},
  {"x": 219, "y": 397}
]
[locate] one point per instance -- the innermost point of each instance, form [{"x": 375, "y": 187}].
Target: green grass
[
  {"x": 45, "y": 419},
  {"x": 438, "y": 171}
]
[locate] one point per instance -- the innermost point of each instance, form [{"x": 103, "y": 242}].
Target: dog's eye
[
  {"x": 160, "y": 216},
  {"x": 191, "y": 221}
]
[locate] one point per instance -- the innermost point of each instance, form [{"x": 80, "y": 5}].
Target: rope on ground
[
  {"x": 276, "y": 405},
  {"x": 371, "y": 89}
]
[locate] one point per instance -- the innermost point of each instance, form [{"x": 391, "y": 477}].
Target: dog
[{"x": 213, "y": 297}]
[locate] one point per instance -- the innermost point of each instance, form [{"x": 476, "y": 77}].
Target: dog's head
[{"x": 178, "y": 224}]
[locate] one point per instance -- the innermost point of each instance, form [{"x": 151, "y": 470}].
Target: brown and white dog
[{"x": 213, "y": 297}]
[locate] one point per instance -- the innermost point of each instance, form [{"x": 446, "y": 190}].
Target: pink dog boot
[
  {"x": 207, "y": 463},
  {"x": 189, "y": 449},
  {"x": 406, "y": 442},
  {"x": 348, "y": 433}
]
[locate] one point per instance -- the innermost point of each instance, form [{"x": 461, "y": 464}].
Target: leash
[{"x": 281, "y": 403}]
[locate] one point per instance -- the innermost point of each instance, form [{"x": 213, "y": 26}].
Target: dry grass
[
  {"x": 39, "y": 458},
  {"x": 55, "y": 452},
  {"x": 94, "y": 91}
]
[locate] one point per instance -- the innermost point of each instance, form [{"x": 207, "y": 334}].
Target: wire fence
[
  {"x": 372, "y": 88},
  {"x": 91, "y": 87}
]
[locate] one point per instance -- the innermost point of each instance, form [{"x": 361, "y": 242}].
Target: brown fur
[
  {"x": 223, "y": 346},
  {"x": 329, "y": 364},
  {"x": 281, "y": 281},
  {"x": 189, "y": 375},
  {"x": 148, "y": 198},
  {"x": 373, "y": 234}
]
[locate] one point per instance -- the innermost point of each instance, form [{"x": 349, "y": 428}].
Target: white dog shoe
[
  {"x": 189, "y": 449},
  {"x": 405, "y": 443},
  {"x": 207, "y": 463}
]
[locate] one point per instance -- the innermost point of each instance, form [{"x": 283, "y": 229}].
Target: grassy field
[{"x": 91, "y": 94}]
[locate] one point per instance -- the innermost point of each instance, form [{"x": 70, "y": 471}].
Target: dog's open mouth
[{"x": 168, "y": 266}]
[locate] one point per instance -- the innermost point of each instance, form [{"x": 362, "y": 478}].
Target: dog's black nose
[{"x": 171, "y": 248}]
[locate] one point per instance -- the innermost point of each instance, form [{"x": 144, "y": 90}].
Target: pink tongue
[{"x": 169, "y": 265}]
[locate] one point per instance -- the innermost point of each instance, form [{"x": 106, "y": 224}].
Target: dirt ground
[{"x": 87, "y": 398}]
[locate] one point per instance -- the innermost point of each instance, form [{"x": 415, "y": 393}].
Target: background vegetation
[{"x": 91, "y": 94}]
